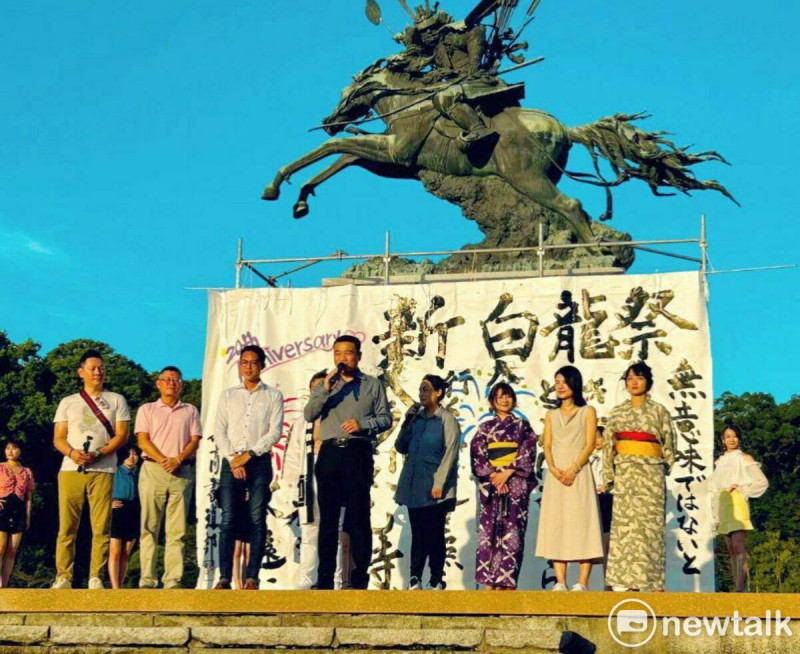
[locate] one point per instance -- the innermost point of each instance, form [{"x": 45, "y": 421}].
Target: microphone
[
  {"x": 86, "y": 445},
  {"x": 413, "y": 412},
  {"x": 340, "y": 368}
]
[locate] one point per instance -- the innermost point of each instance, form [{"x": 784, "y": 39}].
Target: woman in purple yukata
[{"x": 503, "y": 455}]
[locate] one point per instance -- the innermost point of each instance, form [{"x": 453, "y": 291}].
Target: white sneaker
[
  {"x": 619, "y": 589},
  {"x": 61, "y": 583},
  {"x": 95, "y": 583},
  {"x": 414, "y": 584},
  {"x": 559, "y": 587},
  {"x": 579, "y": 587}
]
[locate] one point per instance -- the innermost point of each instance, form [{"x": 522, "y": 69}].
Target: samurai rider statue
[
  {"x": 447, "y": 111},
  {"x": 450, "y": 55}
]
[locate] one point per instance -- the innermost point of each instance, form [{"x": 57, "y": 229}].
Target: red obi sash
[{"x": 641, "y": 436}]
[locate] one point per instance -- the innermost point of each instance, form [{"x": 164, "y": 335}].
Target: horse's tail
[{"x": 634, "y": 153}]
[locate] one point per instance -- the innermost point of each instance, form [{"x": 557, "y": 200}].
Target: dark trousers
[
  {"x": 344, "y": 477},
  {"x": 259, "y": 477},
  {"x": 427, "y": 540}
]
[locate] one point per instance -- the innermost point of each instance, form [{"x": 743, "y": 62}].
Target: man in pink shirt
[{"x": 168, "y": 432}]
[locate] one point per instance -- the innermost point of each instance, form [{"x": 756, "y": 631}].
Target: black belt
[{"x": 346, "y": 441}]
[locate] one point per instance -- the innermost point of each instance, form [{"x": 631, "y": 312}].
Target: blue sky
[{"x": 137, "y": 138}]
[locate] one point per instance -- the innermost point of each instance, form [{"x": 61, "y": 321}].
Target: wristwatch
[{"x": 98, "y": 453}]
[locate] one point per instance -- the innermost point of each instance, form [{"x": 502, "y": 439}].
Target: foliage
[{"x": 774, "y": 563}]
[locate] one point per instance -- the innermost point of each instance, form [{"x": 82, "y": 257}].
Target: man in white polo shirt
[
  {"x": 168, "y": 432},
  {"x": 90, "y": 427}
]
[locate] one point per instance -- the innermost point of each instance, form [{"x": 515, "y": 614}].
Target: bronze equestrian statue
[{"x": 447, "y": 110}]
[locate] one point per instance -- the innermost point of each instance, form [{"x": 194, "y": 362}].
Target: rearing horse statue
[{"x": 529, "y": 151}]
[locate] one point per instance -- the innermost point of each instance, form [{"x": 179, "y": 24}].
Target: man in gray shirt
[{"x": 353, "y": 410}]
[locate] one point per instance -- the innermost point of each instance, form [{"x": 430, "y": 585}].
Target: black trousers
[
  {"x": 427, "y": 540},
  {"x": 259, "y": 478},
  {"x": 344, "y": 479}
]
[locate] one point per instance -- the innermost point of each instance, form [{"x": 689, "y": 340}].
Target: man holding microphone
[{"x": 353, "y": 410}]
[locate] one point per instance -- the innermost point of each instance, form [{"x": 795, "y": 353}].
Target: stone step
[{"x": 117, "y": 622}]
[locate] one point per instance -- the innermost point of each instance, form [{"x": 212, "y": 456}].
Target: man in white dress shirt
[{"x": 249, "y": 422}]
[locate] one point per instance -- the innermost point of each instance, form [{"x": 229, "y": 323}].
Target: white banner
[{"x": 474, "y": 333}]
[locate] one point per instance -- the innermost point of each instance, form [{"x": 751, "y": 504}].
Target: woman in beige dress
[{"x": 569, "y": 518}]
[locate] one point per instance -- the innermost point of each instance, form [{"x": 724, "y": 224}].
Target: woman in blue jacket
[{"x": 429, "y": 437}]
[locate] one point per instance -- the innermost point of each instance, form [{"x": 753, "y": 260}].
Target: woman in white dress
[
  {"x": 569, "y": 518},
  {"x": 737, "y": 477}
]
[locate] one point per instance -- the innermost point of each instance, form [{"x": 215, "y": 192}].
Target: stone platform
[{"x": 158, "y": 621}]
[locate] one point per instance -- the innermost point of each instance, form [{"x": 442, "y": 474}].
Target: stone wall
[{"x": 170, "y": 632}]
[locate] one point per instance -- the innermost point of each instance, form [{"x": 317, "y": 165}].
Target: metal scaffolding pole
[
  {"x": 386, "y": 260},
  {"x": 239, "y": 264}
]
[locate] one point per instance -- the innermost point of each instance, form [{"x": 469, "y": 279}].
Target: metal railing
[{"x": 541, "y": 250}]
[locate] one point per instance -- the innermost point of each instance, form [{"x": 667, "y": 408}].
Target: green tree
[
  {"x": 774, "y": 564},
  {"x": 23, "y": 404}
]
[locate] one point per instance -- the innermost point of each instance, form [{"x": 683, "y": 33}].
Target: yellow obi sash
[
  {"x": 502, "y": 455},
  {"x": 638, "y": 443}
]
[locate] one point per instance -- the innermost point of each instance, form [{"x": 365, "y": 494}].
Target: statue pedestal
[{"x": 508, "y": 219}]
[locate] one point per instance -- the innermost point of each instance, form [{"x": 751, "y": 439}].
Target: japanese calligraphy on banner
[{"x": 473, "y": 334}]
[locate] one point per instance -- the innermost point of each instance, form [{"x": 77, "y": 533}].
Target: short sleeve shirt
[
  {"x": 86, "y": 432},
  {"x": 170, "y": 427}
]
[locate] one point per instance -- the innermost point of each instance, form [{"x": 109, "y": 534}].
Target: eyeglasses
[
  {"x": 245, "y": 363},
  {"x": 170, "y": 380}
]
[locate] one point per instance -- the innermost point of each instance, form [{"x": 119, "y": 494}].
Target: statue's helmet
[{"x": 426, "y": 19}]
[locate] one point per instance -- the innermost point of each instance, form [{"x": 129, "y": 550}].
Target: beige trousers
[
  {"x": 73, "y": 490},
  {"x": 163, "y": 495}
]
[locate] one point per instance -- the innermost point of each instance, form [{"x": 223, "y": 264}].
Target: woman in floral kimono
[
  {"x": 503, "y": 452},
  {"x": 737, "y": 477},
  {"x": 637, "y": 457}
]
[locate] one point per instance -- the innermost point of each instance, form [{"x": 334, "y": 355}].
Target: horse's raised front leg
[
  {"x": 301, "y": 207},
  {"x": 374, "y": 147}
]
